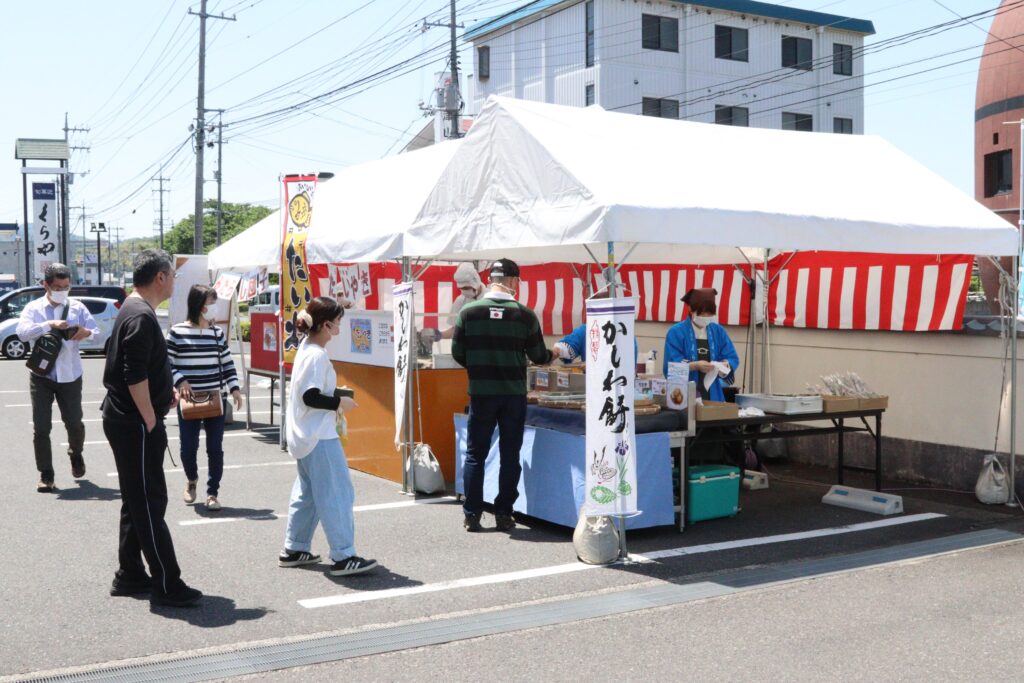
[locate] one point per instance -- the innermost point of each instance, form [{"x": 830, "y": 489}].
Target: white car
[
  {"x": 266, "y": 302},
  {"x": 104, "y": 311}
]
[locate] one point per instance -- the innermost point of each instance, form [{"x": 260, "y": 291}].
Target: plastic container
[
  {"x": 712, "y": 491},
  {"x": 782, "y": 405}
]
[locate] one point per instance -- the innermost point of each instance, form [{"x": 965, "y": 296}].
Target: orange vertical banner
[{"x": 296, "y": 291}]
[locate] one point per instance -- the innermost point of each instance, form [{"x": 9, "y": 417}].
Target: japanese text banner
[
  {"x": 296, "y": 291},
  {"x": 611, "y": 425},
  {"x": 402, "y": 296},
  {"x": 44, "y": 228}
]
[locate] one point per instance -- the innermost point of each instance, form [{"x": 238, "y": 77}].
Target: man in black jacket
[{"x": 140, "y": 392}]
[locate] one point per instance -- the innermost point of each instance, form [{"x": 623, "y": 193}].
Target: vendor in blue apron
[
  {"x": 570, "y": 347},
  {"x": 705, "y": 345}
]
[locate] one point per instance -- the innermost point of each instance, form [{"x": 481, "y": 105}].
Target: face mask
[
  {"x": 210, "y": 317},
  {"x": 60, "y": 298},
  {"x": 702, "y": 321},
  {"x": 333, "y": 328}
]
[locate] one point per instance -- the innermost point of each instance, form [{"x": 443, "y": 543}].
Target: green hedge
[{"x": 245, "y": 330}]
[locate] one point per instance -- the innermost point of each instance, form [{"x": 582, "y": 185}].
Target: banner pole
[
  {"x": 613, "y": 291},
  {"x": 405, "y": 450}
]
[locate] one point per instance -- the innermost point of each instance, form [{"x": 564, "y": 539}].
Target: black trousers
[
  {"x": 69, "y": 399},
  {"x": 508, "y": 414},
  {"x": 139, "y": 457}
]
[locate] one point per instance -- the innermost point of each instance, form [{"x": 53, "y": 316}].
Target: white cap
[{"x": 466, "y": 276}]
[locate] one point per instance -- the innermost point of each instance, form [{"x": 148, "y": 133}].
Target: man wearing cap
[{"x": 493, "y": 339}]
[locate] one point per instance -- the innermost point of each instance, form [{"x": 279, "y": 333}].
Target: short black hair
[
  {"x": 148, "y": 264},
  {"x": 198, "y": 295},
  {"x": 56, "y": 271}
]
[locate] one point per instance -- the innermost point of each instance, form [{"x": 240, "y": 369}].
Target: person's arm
[
  {"x": 174, "y": 348},
  {"x": 314, "y": 398},
  {"x": 536, "y": 350},
  {"x": 727, "y": 352},
  {"x": 87, "y": 327},
  {"x": 140, "y": 394},
  {"x": 570, "y": 347},
  {"x": 30, "y": 329},
  {"x": 459, "y": 340},
  {"x": 227, "y": 368},
  {"x": 136, "y": 344},
  {"x": 673, "y": 349}
]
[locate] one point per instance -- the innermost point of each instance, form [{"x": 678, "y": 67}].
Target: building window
[
  {"x": 732, "y": 116},
  {"x": 666, "y": 109},
  {"x": 731, "y": 43},
  {"x": 797, "y": 53},
  {"x": 588, "y": 95},
  {"x": 842, "y": 59},
  {"x": 590, "y": 32},
  {"x": 999, "y": 173},
  {"x": 483, "y": 62},
  {"x": 660, "y": 33},
  {"x": 791, "y": 121},
  {"x": 842, "y": 126}
]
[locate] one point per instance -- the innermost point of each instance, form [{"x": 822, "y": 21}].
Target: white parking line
[
  {"x": 350, "y": 598},
  {"x": 229, "y": 435},
  {"x": 29, "y": 405},
  {"x": 278, "y": 463},
  {"x": 357, "y": 508},
  {"x": 175, "y": 424}
]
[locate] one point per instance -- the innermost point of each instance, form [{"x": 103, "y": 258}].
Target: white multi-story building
[{"x": 737, "y": 62}]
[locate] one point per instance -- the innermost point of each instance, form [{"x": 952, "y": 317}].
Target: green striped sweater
[{"x": 493, "y": 339}]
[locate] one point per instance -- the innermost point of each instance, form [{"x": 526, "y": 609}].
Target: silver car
[{"x": 103, "y": 311}]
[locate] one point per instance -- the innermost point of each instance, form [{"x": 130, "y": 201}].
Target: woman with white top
[
  {"x": 323, "y": 488},
  {"x": 201, "y": 361}
]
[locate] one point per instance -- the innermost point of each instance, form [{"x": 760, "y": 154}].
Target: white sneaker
[
  {"x": 189, "y": 496},
  {"x": 212, "y": 503}
]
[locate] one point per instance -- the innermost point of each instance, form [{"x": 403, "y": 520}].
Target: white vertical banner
[
  {"x": 403, "y": 312},
  {"x": 611, "y": 425},
  {"x": 44, "y": 228}
]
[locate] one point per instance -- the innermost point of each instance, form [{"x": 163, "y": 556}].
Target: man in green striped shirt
[{"x": 493, "y": 339}]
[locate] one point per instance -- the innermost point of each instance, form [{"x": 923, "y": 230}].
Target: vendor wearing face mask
[
  {"x": 471, "y": 288},
  {"x": 704, "y": 344}
]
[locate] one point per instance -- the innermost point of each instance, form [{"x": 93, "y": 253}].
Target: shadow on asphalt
[
  {"x": 86, "y": 490},
  {"x": 213, "y": 612},
  {"x": 380, "y": 579},
  {"x": 255, "y": 514}
]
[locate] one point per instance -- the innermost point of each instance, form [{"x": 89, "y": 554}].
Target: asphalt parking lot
[{"x": 61, "y": 554}]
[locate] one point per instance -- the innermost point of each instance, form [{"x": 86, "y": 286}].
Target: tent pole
[
  {"x": 1013, "y": 330},
  {"x": 406, "y": 453},
  {"x": 764, "y": 326}
]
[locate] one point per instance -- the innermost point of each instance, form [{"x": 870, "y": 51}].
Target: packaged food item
[{"x": 680, "y": 370}]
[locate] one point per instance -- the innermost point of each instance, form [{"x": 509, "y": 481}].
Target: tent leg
[{"x": 1013, "y": 332}]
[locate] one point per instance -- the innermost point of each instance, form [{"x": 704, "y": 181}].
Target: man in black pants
[{"x": 140, "y": 392}]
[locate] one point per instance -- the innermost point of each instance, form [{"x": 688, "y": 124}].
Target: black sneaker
[
  {"x": 289, "y": 558},
  {"x": 504, "y": 522},
  {"x": 472, "y": 523},
  {"x": 124, "y": 587},
  {"x": 183, "y": 597},
  {"x": 77, "y": 467},
  {"x": 45, "y": 485},
  {"x": 351, "y": 565}
]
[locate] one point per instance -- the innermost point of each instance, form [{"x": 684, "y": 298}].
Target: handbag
[
  {"x": 47, "y": 348},
  {"x": 205, "y": 404}
]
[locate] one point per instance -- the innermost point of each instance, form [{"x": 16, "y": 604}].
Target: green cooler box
[{"x": 712, "y": 491}]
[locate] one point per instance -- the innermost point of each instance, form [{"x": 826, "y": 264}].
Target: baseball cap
[{"x": 504, "y": 267}]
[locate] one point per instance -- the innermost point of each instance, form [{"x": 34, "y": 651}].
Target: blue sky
[{"x": 126, "y": 69}]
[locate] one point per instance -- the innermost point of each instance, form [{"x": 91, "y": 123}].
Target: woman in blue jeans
[
  {"x": 201, "y": 361},
  {"x": 323, "y": 491}
]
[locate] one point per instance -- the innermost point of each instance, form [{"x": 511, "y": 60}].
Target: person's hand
[
  {"x": 58, "y": 324},
  {"x": 236, "y": 397},
  {"x": 346, "y": 404},
  {"x": 184, "y": 391},
  {"x": 701, "y": 366},
  {"x": 150, "y": 422},
  {"x": 431, "y": 334},
  {"x": 81, "y": 334}
]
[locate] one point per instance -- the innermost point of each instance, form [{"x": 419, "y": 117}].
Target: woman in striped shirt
[{"x": 200, "y": 361}]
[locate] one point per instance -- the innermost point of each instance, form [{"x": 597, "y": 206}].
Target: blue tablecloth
[
  {"x": 553, "y": 484},
  {"x": 574, "y": 421}
]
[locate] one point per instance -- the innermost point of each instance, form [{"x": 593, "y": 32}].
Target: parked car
[
  {"x": 104, "y": 311},
  {"x": 12, "y": 303},
  {"x": 266, "y": 302}
]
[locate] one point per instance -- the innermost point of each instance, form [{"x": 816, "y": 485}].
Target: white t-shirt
[{"x": 306, "y": 426}]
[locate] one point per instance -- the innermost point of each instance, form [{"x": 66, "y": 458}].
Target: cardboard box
[
  {"x": 711, "y": 411},
  {"x": 840, "y": 404},
  {"x": 877, "y": 403},
  {"x": 572, "y": 382}
]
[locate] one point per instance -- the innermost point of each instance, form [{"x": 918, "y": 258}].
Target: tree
[{"x": 237, "y": 217}]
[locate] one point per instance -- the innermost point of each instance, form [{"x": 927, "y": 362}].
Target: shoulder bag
[
  {"x": 205, "y": 404},
  {"x": 47, "y": 348}
]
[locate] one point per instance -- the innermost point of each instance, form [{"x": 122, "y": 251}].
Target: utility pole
[
  {"x": 82, "y": 207},
  {"x": 99, "y": 229},
  {"x": 65, "y": 181},
  {"x": 452, "y": 95},
  {"x": 200, "y": 125},
  {"x": 160, "y": 220},
  {"x": 117, "y": 264},
  {"x": 220, "y": 168}
]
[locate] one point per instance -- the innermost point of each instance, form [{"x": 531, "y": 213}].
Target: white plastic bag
[
  {"x": 427, "y": 470},
  {"x": 992, "y": 487},
  {"x": 596, "y": 541}
]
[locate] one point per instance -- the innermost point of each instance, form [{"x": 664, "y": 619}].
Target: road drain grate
[{"x": 264, "y": 658}]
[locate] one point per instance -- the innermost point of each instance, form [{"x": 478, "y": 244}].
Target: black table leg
[
  {"x": 842, "y": 464},
  {"x": 878, "y": 452}
]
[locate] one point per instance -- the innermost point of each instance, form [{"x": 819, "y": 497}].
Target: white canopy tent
[
  {"x": 549, "y": 178},
  {"x": 258, "y": 246}
]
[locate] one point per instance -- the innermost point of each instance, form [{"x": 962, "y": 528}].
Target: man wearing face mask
[
  {"x": 64, "y": 381},
  {"x": 704, "y": 344},
  {"x": 471, "y": 288},
  {"x": 493, "y": 339}
]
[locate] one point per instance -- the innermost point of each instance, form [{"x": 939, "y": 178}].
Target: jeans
[
  {"x": 189, "y": 431},
  {"x": 322, "y": 493},
  {"x": 42, "y": 391},
  {"x": 508, "y": 414}
]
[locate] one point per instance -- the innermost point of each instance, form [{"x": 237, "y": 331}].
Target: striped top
[
  {"x": 494, "y": 336},
  {"x": 200, "y": 356}
]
